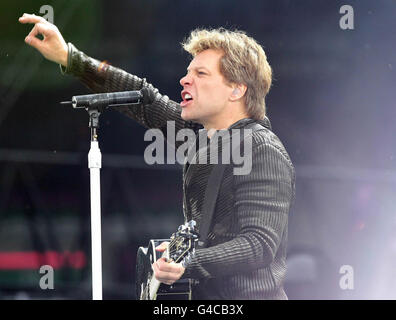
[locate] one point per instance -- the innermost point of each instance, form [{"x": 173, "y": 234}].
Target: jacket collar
[{"x": 244, "y": 122}]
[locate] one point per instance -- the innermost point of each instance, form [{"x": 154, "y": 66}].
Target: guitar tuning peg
[{"x": 192, "y": 224}]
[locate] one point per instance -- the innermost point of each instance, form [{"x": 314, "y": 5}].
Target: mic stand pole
[{"x": 94, "y": 165}]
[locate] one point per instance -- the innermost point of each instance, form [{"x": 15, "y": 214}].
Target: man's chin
[{"x": 186, "y": 116}]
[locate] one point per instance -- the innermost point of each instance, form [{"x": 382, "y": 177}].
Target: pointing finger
[{"x": 31, "y": 18}]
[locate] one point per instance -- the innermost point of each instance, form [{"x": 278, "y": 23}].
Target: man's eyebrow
[{"x": 196, "y": 68}]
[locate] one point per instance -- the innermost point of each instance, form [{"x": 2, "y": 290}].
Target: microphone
[{"x": 112, "y": 99}]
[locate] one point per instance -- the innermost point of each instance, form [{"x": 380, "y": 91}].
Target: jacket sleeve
[
  {"x": 262, "y": 203},
  {"x": 102, "y": 77}
]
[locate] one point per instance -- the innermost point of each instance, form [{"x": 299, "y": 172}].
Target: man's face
[{"x": 205, "y": 92}]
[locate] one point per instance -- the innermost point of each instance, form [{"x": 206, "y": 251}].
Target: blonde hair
[{"x": 244, "y": 62}]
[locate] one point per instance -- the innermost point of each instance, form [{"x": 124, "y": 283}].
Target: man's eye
[{"x": 201, "y": 72}]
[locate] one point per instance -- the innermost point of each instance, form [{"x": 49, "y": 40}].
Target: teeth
[{"x": 187, "y": 96}]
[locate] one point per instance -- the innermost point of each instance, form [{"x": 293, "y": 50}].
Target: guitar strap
[{"x": 211, "y": 194}]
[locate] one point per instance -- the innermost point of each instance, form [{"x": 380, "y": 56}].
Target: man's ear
[{"x": 238, "y": 92}]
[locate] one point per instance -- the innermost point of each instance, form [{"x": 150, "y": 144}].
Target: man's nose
[{"x": 186, "y": 80}]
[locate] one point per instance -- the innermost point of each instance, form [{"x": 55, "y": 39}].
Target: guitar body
[
  {"x": 146, "y": 256},
  {"x": 180, "y": 249}
]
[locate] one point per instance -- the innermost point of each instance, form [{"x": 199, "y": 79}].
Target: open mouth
[{"x": 187, "y": 98}]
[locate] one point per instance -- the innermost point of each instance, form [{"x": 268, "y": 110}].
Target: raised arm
[{"x": 101, "y": 77}]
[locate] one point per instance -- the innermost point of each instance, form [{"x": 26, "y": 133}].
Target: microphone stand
[
  {"x": 95, "y": 104},
  {"x": 94, "y": 165}
]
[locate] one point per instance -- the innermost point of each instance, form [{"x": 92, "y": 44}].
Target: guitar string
[{"x": 173, "y": 244}]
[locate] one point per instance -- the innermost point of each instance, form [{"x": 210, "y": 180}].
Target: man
[{"x": 224, "y": 89}]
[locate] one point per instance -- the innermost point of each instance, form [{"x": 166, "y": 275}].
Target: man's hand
[
  {"x": 167, "y": 272},
  {"x": 53, "y": 47}
]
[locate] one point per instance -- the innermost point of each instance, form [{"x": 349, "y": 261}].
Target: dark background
[{"x": 332, "y": 103}]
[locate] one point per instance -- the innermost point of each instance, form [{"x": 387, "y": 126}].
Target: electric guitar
[{"x": 180, "y": 249}]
